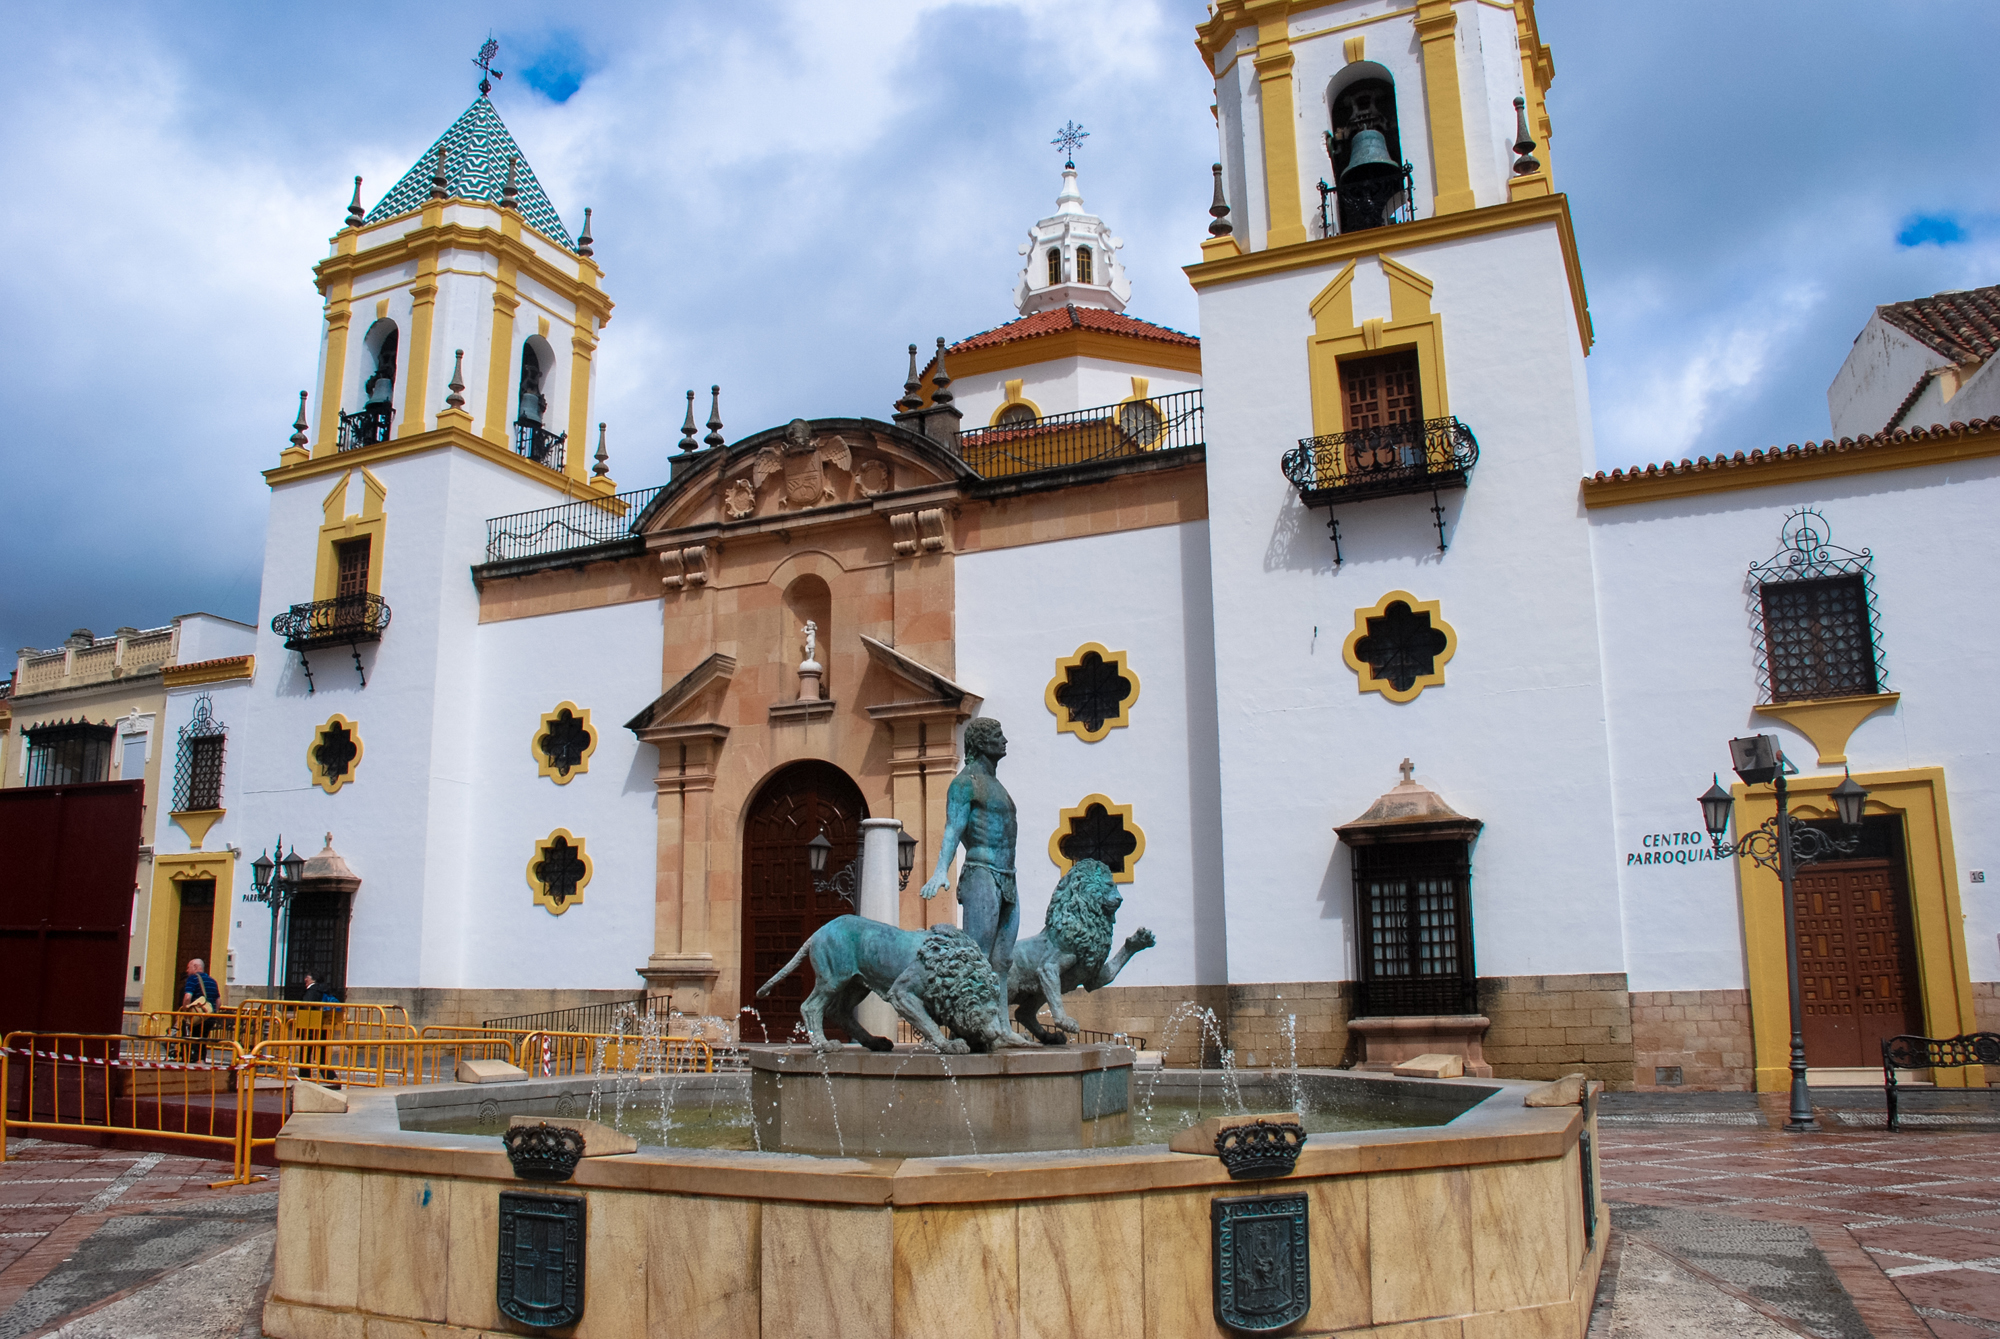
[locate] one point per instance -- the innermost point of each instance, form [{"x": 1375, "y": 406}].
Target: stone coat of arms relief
[{"x": 811, "y": 472}]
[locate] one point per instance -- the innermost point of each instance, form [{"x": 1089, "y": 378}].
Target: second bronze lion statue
[
  {"x": 1072, "y": 950},
  {"x": 933, "y": 976}
]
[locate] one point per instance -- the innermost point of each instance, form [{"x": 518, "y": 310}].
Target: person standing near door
[
  {"x": 199, "y": 995},
  {"x": 314, "y": 1024}
]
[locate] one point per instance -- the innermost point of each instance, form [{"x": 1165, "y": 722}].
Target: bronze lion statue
[
  {"x": 1071, "y": 950},
  {"x": 930, "y": 977}
]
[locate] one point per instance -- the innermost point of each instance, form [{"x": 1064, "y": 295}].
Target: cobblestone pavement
[
  {"x": 110, "y": 1242},
  {"x": 1850, "y": 1233}
]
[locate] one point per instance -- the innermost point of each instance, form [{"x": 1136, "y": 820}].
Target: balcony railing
[
  {"x": 367, "y": 428},
  {"x": 1390, "y": 461},
  {"x": 345, "y": 620},
  {"x": 1108, "y": 432},
  {"x": 539, "y": 444},
  {"x": 574, "y": 525}
]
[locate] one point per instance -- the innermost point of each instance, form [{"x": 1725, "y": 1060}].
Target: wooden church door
[
  {"x": 1857, "y": 960},
  {"x": 781, "y": 908}
]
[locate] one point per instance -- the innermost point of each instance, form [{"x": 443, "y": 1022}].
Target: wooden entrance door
[
  {"x": 197, "y": 929},
  {"x": 1857, "y": 960},
  {"x": 780, "y": 906},
  {"x": 1382, "y": 410}
]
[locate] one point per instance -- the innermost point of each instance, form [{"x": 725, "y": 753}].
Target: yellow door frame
[
  {"x": 1916, "y": 795},
  {"x": 163, "y": 974}
]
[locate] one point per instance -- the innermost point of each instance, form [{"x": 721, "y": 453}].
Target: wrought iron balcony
[
  {"x": 1400, "y": 458},
  {"x": 345, "y": 620},
  {"x": 539, "y": 444},
  {"x": 1108, "y": 432},
  {"x": 365, "y": 428}
]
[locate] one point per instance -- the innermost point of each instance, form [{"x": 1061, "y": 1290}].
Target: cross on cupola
[
  {"x": 484, "y": 60},
  {"x": 1072, "y": 257}
]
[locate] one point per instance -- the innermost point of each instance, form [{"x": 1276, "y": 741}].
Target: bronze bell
[{"x": 1371, "y": 150}]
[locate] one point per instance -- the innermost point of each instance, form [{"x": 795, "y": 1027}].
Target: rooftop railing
[
  {"x": 1108, "y": 432},
  {"x": 573, "y": 525}
]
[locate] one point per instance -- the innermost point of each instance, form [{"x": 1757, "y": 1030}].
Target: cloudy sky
[{"x": 787, "y": 194}]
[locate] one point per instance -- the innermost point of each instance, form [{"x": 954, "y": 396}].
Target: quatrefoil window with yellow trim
[
  {"x": 1098, "y": 829},
  {"x": 1399, "y": 646},
  {"x": 1093, "y": 692},
  {"x": 334, "y": 755},
  {"x": 562, "y": 743},
  {"x": 558, "y": 871}
]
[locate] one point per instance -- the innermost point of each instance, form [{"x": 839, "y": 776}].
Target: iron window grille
[
  {"x": 1098, "y": 834},
  {"x": 1360, "y": 200},
  {"x": 559, "y": 871},
  {"x": 334, "y": 753},
  {"x": 1816, "y": 626},
  {"x": 65, "y": 753},
  {"x": 565, "y": 742},
  {"x": 366, "y": 427},
  {"x": 198, "y": 766},
  {"x": 1415, "y": 906},
  {"x": 1401, "y": 646},
  {"x": 539, "y": 444},
  {"x": 1092, "y": 690}
]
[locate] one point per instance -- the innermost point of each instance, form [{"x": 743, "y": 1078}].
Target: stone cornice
[{"x": 209, "y": 671}]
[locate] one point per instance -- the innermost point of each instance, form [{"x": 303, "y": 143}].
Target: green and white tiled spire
[{"x": 478, "y": 147}]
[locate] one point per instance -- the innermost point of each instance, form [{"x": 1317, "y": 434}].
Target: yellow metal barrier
[{"x": 561, "y": 1054}]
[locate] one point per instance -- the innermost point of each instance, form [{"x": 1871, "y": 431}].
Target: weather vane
[
  {"x": 484, "y": 60},
  {"x": 1067, "y": 139}
]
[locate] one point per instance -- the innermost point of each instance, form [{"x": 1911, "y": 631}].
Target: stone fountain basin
[{"x": 1475, "y": 1227}]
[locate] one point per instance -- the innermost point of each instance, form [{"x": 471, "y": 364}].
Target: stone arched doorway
[{"x": 780, "y": 906}]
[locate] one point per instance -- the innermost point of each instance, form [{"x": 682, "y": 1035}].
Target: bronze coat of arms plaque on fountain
[
  {"x": 1262, "y": 1276},
  {"x": 540, "y": 1276}
]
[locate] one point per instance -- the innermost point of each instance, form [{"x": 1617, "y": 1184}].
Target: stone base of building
[
  {"x": 1388, "y": 1042},
  {"x": 1547, "y": 1026},
  {"x": 1986, "y": 1010},
  {"x": 1692, "y": 1039},
  {"x": 1270, "y": 1023}
]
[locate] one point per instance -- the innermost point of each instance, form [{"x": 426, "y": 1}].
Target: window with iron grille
[
  {"x": 1416, "y": 920},
  {"x": 1814, "y": 620},
  {"x": 65, "y": 753},
  {"x": 198, "y": 768}
]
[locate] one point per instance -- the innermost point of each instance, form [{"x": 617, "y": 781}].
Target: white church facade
[{"x": 1388, "y": 709}]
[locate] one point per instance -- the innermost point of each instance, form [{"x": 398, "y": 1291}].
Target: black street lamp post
[
  {"x": 273, "y": 883},
  {"x": 1778, "y": 845},
  {"x": 844, "y": 883}
]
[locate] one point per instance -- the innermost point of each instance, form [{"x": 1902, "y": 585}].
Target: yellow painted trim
[
  {"x": 1355, "y": 48},
  {"x": 449, "y": 435},
  {"x": 1830, "y": 721},
  {"x": 333, "y": 379},
  {"x": 1405, "y": 237},
  {"x": 1530, "y": 186},
  {"x": 1014, "y": 397},
  {"x": 1278, "y": 116},
  {"x": 1336, "y": 336},
  {"x": 1230, "y": 16},
  {"x": 546, "y": 768},
  {"x": 196, "y": 823},
  {"x": 581, "y": 344},
  {"x": 339, "y": 526},
  {"x": 208, "y": 671},
  {"x": 415, "y": 418},
  {"x": 1065, "y": 724},
  {"x": 1793, "y": 465},
  {"x": 319, "y": 778},
  {"x": 1220, "y": 248},
  {"x": 1070, "y": 342},
  {"x": 1368, "y": 683},
  {"x": 540, "y": 889},
  {"x": 577, "y": 285},
  {"x": 163, "y": 920},
  {"x": 1124, "y": 811},
  {"x": 500, "y": 362},
  {"x": 1437, "y": 30},
  {"x": 1944, "y": 983}
]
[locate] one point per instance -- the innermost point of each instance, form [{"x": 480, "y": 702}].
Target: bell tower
[{"x": 1393, "y": 336}]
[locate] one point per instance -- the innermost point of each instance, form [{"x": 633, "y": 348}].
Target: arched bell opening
[
  {"x": 781, "y": 904},
  {"x": 370, "y": 424},
  {"x": 1364, "y": 145},
  {"x": 532, "y": 437}
]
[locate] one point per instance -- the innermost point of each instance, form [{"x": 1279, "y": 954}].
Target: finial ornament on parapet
[
  {"x": 1222, "y": 227},
  {"x": 715, "y": 437},
  {"x": 1524, "y": 145},
  {"x": 912, "y": 387},
  {"x": 1068, "y": 139},
  {"x": 688, "y": 428},
  {"x": 484, "y": 60},
  {"x": 584, "y": 239},
  {"x": 940, "y": 380},
  {"x": 456, "y": 400},
  {"x": 1409, "y": 771},
  {"x": 603, "y": 465},
  {"x": 438, "y": 181},
  {"x": 510, "y": 194},
  {"x": 355, "y": 213},
  {"x": 299, "y": 424}
]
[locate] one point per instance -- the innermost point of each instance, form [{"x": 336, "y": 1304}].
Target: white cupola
[{"x": 1072, "y": 259}]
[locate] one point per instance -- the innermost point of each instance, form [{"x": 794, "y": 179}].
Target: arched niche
[
  {"x": 380, "y": 349},
  {"x": 808, "y": 598}
]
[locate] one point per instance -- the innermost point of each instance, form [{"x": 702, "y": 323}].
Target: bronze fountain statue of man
[{"x": 980, "y": 812}]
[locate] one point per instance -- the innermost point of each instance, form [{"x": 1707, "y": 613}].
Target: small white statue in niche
[{"x": 810, "y": 670}]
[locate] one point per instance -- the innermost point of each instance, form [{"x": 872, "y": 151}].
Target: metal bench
[{"x": 1974, "y": 1048}]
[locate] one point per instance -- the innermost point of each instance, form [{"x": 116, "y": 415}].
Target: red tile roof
[
  {"x": 1755, "y": 465},
  {"x": 1070, "y": 318},
  {"x": 1963, "y": 326}
]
